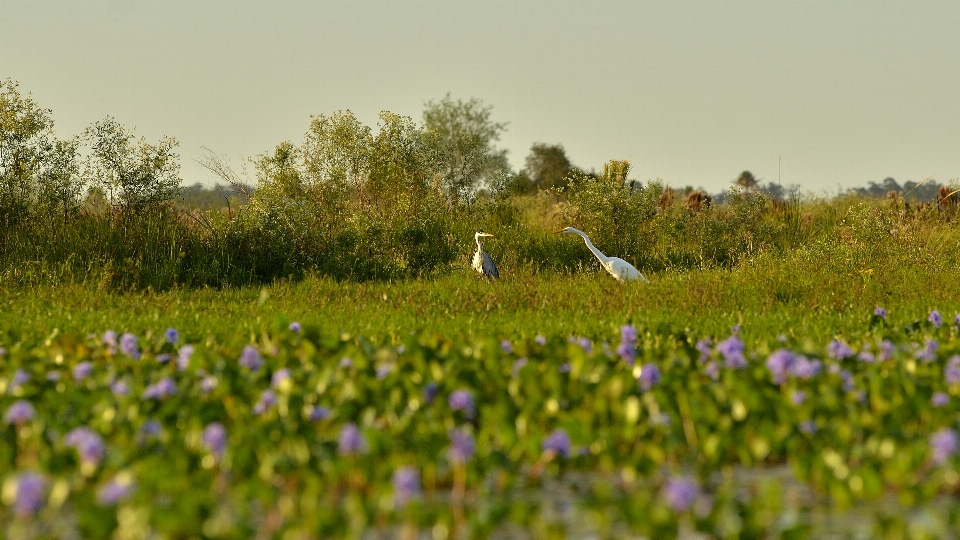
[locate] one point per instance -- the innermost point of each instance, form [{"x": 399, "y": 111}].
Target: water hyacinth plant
[
  {"x": 387, "y": 450},
  {"x": 20, "y": 412}
]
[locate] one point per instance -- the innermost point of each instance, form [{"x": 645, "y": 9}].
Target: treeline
[{"x": 354, "y": 202}]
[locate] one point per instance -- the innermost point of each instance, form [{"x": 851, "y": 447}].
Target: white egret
[
  {"x": 620, "y": 269},
  {"x": 482, "y": 262}
]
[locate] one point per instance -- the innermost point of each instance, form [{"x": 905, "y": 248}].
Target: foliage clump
[{"x": 348, "y": 202}]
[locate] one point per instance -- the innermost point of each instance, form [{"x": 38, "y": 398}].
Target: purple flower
[
  {"x": 506, "y": 346},
  {"x": 120, "y": 388},
  {"x": 680, "y": 493},
  {"x": 250, "y": 358},
  {"x": 53, "y": 375},
  {"x": 346, "y": 362},
  {"x": 712, "y": 369},
  {"x": 406, "y": 485},
  {"x": 319, "y": 412},
  {"x": 780, "y": 363},
  {"x": 430, "y": 392},
  {"x": 82, "y": 370},
  {"x": 117, "y": 489},
  {"x": 88, "y": 444},
  {"x": 295, "y": 327},
  {"x": 866, "y": 357},
  {"x": 461, "y": 400},
  {"x": 798, "y": 397},
  {"x": 956, "y": 320},
  {"x": 943, "y": 445},
  {"x": 542, "y": 340},
  {"x": 183, "y": 357},
  {"x": 151, "y": 428},
  {"x": 110, "y": 340},
  {"x": 160, "y": 389},
  {"x": 19, "y": 413},
  {"x": 267, "y": 399},
  {"x": 951, "y": 373},
  {"x": 208, "y": 383},
  {"x": 462, "y": 446},
  {"x": 808, "y": 426},
  {"x": 3, "y": 350},
  {"x": 20, "y": 377},
  {"x": 518, "y": 365},
  {"x": 732, "y": 351},
  {"x": 585, "y": 344},
  {"x": 29, "y": 498},
  {"x": 880, "y": 312},
  {"x": 215, "y": 439},
  {"x": 172, "y": 335},
  {"x": 649, "y": 376},
  {"x": 839, "y": 350},
  {"x": 935, "y": 318},
  {"x": 557, "y": 442},
  {"x": 886, "y": 350},
  {"x": 280, "y": 377},
  {"x": 805, "y": 368},
  {"x": 925, "y": 355},
  {"x": 383, "y": 371},
  {"x": 627, "y": 350},
  {"x": 928, "y": 352},
  {"x": 705, "y": 347},
  {"x": 564, "y": 367},
  {"x": 351, "y": 440},
  {"x": 163, "y": 358},
  {"x": 847, "y": 380},
  {"x": 401, "y": 349},
  {"x": 129, "y": 346},
  {"x": 939, "y": 399}
]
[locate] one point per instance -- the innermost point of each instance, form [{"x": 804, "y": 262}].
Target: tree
[
  {"x": 134, "y": 175},
  {"x": 547, "y": 166},
  {"x": 746, "y": 181},
  {"x": 460, "y": 139},
  {"x": 38, "y": 172}
]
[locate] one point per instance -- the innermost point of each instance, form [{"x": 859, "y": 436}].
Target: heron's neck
[
  {"x": 478, "y": 243},
  {"x": 603, "y": 258}
]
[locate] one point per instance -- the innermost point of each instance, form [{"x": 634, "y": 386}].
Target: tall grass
[{"x": 167, "y": 248}]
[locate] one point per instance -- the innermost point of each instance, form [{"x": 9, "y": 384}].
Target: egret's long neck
[{"x": 603, "y": 258}]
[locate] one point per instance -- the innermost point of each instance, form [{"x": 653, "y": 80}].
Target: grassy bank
[{"x": 807, "y": 293}]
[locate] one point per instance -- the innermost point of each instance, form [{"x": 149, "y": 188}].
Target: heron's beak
[
  {"x": 486, "y": 234},
  {"x": 558, "y": 232}
]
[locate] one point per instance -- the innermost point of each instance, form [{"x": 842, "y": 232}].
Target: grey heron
[
  {"x": 620, "y": 269},
  {"x": 482, "y": 262}
]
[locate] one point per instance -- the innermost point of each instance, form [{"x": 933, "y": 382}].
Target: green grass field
[{"x": 801, "y": 295}]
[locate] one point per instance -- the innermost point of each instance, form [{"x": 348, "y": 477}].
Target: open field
[{"x": 458, "y": 437}]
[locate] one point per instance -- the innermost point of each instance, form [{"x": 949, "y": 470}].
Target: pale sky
[{"x": 690, "y": 91}]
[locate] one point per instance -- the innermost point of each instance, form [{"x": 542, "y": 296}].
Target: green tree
[
  {"x": 133, "y": 174},
  {"x": 746, "y": 181},
  {"x": 460, "y": 141},
  {"x": 547, "y": 165},
  {"x": 38, "y": 172}
]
